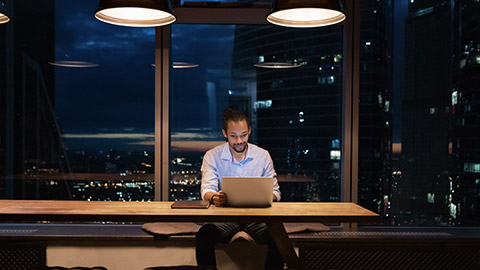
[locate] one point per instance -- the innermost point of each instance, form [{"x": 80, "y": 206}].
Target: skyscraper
[
  {"x": 464, "y": 144},
  {"x": 426, "y": 112},
  {"x": 375, "y": 108},
  {"x": 297, "y": 110}
]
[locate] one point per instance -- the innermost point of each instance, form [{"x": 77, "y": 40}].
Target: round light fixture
[
  {"x": 277, "y": 65},
  {"x": 306, "y": 13},
  {"x": 184, "y": 65},
  {"x": 76, "y": 64},
  {"x": 137, "y": 13},
  {"x": 3, "y": 13}
]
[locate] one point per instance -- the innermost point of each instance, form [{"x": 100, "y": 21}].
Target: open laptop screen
[{"x": 248, "y": 191}]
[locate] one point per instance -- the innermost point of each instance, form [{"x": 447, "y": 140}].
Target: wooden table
[{"x": 29, "y": 210}]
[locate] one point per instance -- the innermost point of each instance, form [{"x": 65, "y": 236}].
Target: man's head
[{"x": 236, "y": 128}]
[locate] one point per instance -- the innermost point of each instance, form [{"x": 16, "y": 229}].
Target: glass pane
[
  {"x": 79, "y": 100},
  {"x": 421, "y": 81},
  {"x": 288, "y": 81}
]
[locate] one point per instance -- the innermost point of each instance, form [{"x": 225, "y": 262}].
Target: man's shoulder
[
  {"x": 257, "y": 149},
  {"x": 217, "y": 150}
]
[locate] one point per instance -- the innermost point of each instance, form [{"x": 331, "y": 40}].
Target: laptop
[{"x": 248, "y": 191}]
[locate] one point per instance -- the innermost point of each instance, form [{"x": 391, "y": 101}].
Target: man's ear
[{"x": 224, "y": 133}]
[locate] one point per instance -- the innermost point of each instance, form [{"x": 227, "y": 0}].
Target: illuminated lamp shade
[
  {"x": 3, "y": 13},
  {"x": 306, "y": 13},
  {"x": 137, "y": 13}
]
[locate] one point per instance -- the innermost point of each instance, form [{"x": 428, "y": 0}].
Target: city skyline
[{"x": 418, "y": 158}]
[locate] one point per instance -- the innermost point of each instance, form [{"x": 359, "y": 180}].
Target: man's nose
[{"x": 238, "y": 140}]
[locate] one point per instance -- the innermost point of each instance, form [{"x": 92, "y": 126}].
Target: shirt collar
[{"x": 227, "y": 155}]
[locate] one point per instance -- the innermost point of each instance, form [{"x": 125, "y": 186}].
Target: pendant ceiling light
[
  {"x": 3, "y": 13},
  {"x": 277, "y": 65},
  {"x": 138, "y": 13},
  {"x": 306, "y": 13}
]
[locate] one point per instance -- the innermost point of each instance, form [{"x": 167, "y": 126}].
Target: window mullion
[
  {"x": 349, "y": 173},
  {"x": 162, "y": 138}
]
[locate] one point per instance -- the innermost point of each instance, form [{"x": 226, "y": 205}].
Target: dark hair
[{"x": 231, "y": 114}]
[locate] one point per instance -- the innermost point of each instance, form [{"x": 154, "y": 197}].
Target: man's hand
[{"x": 219, "y": 198}]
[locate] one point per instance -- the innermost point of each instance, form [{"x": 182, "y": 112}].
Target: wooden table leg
[{"x": 284, "y": 245}]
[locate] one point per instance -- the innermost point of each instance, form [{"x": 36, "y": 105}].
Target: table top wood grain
[{"x": 51, "y": 210}]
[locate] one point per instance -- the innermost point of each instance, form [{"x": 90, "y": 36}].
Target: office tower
[
  {"x": 426, "y": 113},
  {"x": 375, "y": 117},
  {"x": 464, "y": 144},
  {"x": 296, "y": 110}
]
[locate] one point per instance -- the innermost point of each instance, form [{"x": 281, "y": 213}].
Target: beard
[{"x": 242, "y": 149}]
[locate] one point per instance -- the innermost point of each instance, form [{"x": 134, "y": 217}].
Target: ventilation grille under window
[
  {"x": 22, "y": 255},
  {"x": 370, "y": 256}
]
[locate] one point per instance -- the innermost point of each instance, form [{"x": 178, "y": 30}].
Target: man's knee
[{"x": 208, "y": 232}]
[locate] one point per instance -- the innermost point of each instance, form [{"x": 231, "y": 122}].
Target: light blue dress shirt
[{"x": 218, "y": 162}]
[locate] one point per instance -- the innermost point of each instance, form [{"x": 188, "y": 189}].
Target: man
[{"x": 236, "y": 157}]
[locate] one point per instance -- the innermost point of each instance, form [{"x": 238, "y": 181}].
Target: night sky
[{"x": 112, "y": 105}]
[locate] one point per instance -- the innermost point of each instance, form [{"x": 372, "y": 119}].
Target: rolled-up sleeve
[
  {"x": 210, "y": 176},
  {"x": 270, "y": 172}
]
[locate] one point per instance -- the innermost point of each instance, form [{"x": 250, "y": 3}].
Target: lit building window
[
  {"x": 336, "y": 144},
  {"x": 454, "y": 98},
  {"x": 300, "y": 116},
  {"x": 263, "y": 104},
  {"x": 331, "y": 80},
  {"x": 431, "y": 197},
  {"x": 337, "y": 58},
  {"x": 326, "y": 80},
  {"x": 335, "y": 154},
  {"x": 471, "y": 167},
  {"x": 453, "y": 210}
]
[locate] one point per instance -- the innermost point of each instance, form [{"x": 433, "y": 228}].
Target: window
[
  {"x": 80, "y": 105},
  {"x": 87, "y": 132},
  {"x": 271, "y": 73}
]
